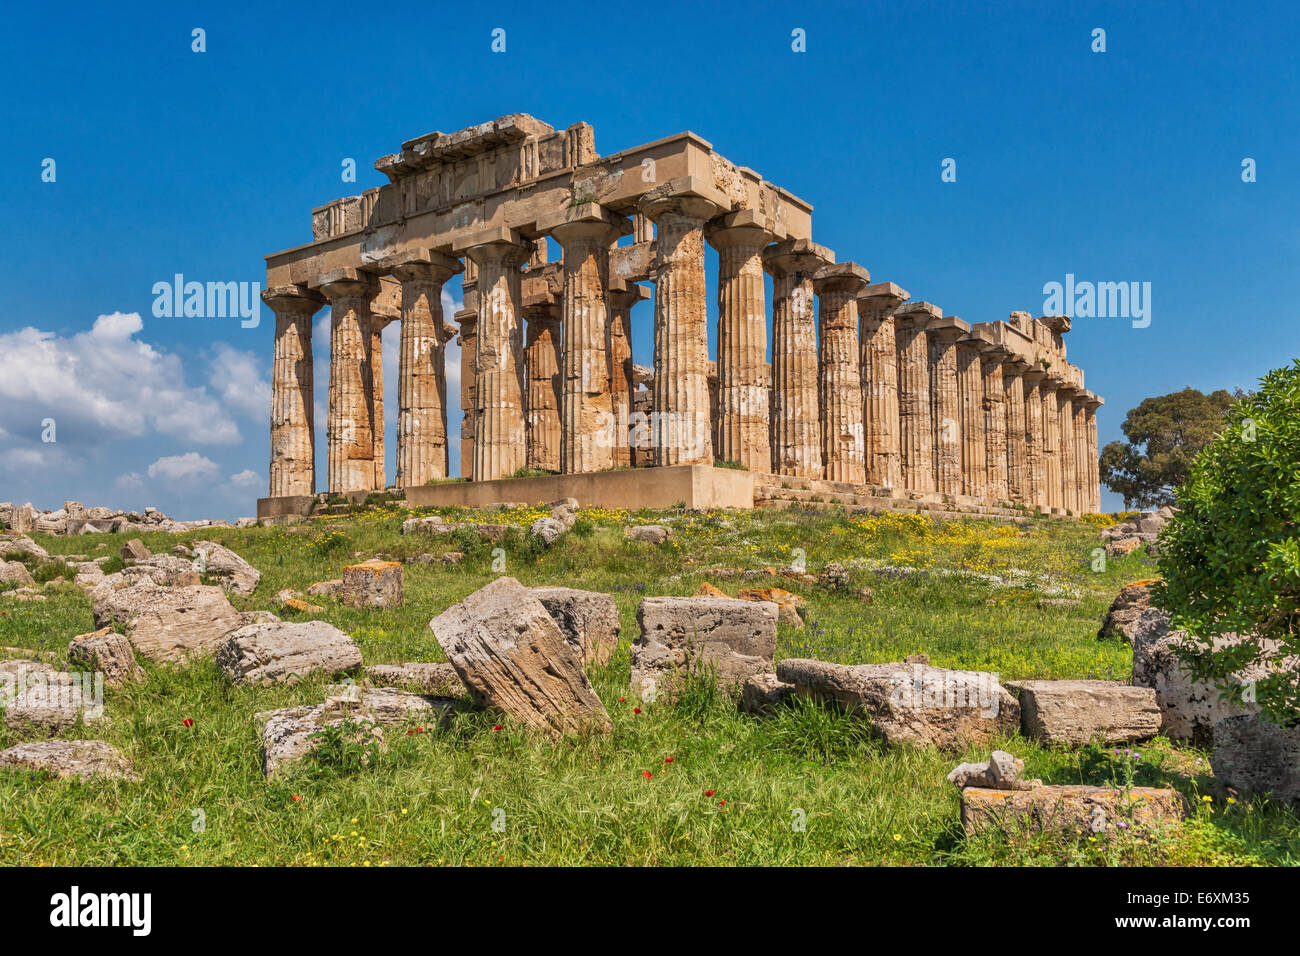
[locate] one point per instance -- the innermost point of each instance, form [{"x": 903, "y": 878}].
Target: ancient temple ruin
[{"x": 869, "y": 396}]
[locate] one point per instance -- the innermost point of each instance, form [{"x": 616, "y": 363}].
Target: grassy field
[{"x": 691, "y": 783}]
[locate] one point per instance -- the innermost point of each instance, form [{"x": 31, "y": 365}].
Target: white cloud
[
  {"x": 131, "y": 481},
  {"x": 236, "y": 376},
  {"x": 186, "y": 467},
  {"x": 246, "y": 479}
]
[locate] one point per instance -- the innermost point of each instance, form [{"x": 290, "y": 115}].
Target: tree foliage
[
  {"x": 1230, "y": 556},
  {"x": 1165, "y": 434}
]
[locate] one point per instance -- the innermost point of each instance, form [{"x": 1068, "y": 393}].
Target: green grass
[{"x": 433, "y": 797}]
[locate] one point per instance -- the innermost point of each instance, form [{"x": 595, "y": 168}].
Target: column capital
[
  {"x": 1092, "y": 401},
  {"x": 995, "y": 354},
  {"x": 1060, "y": 324},
  {"x": 947, "y": 328},
  {"x": 624, "y": 295},
  {"x": 1033, "y": 375},
  {"x": 346, "y": 284},
  {"x": 588, "y": 220},
  {"x": 425, "y": 265},
  {"x": 745, "y": 227},
  {"x": 881, "y": 299},
  {"x": 498, "y": 244},
  {"x": 917, "y": 315},
  {"x": 796, "y": 255},
  {"x": 841, "y": 277},
  {"x": 293, "y": 299},
  {"x": 690, "y": 196}
]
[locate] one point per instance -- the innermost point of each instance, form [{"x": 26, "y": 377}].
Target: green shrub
[
  {"x": 113, "y": 565},
  {"x": 49, "y": 570},
  {"x": 1230, "y": 557}
]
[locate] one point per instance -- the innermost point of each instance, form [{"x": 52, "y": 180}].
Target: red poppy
[
  {"x": 296, "y": 797},
  {"x": 419, "y": 730},
  {"x": 187, "y": 722},
  {"x": 722, "y": 803},
  {"x": 409, "y": 732},
  {"x": 647, "y": 774},
  {"x": 668, "y": 760},
  {"x": 636, "y": 710},
  {"x": 708, "y": 793},
  {"x": 622, "y": 699},
  {"x": 497, "y": 727}
]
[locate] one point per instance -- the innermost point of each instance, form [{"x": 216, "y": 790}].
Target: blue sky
[{"x": 1117, "y": 166}]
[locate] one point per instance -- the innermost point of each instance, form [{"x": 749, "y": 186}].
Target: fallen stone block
[
  {"x": 548, "y": 530},
  {"x": 326, "y": 588},
  {"x": 1132, "y": 610},
  {"x": 134, "y": 550},
  {"x": 764, "y": 693},
  {"x": 15, "y": 572},
  {"x": 164, "y": 569},
  {"x": 651, "y": 533},
  {"x": 431, "y": 678},
  {"x": 511, "y": 655},
  {"x": 1252, "y": 754},
  {"x": 372, "y": 583},
  {"x": 733, "y": 639},
  {"x": 51, "y": 701},
  {"x": 787, "y": 603},
  {"x": 1000, "y": 772},
  {"x": 108, "y": 652},
  {"x": 285, "y": 652},
  {"x": 233, "y": 573},
  {"x": 166, "y": 624},
  {"x": 1079, "y": 711},
  {"x": 912, "y": 703},
  {"x": 588, "y": 620},
  {"x": 430, "y": 524},
  {"x": 83, "y": 759},
  {"x": 1070, "y": 810},
  {"x": 24, "y": 544}
]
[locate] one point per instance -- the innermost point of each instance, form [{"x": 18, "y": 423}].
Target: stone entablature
[{"x": 865, "y": 385}]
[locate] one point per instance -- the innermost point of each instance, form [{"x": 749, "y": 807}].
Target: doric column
[
  {"x": 544, "y": 391},
  {"x": 795, "y": 420},
  {"x": 375, "y": 391},
  {"x": 839, "y": 382},
  {"x": 468, "y": 341},
  {"x": 878, "y": 365},
  {"x": 970, "y": 402},
  {"x": 680, "y": 426},
  {"x": 1013, "y": 393},
  {"x": 622, "y": 380},
  {"x": 351, "y": 458},
  {"x": 499, "y": 446},
  {"x": 743, "y": 392},
  {"x": 915, "y": 423},
  {"x": 1035, "y": 465},
  {"x": 1065, "y": 422},
  {"x": 1051, "y": 443},
  {"x": 997, "y": 451},
  {"x": 293, "y": 433},
  {"x": 587, "y": 426},
  {"x": 943, "y": 334},
  {"x": 1082, "y": 470},
  {"x": 422, "y": 370},
  {"x": 1094, "y": 474}
]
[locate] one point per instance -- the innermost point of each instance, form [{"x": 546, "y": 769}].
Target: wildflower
[
  {"x": 708, "y": 793},
  {"x": 622, "y": 700},
  {"x": 668, "y": 760},
  {"x": 296, "y": 797},
  {"x": 1207, "y": 799},
  {"x": 187, "y": 722},
  {"x": 647, "y": 774},
  {"x": 722, "y": 803},
  {"x": 497, "y": 727},
  {"x": 636, "y": 710}
]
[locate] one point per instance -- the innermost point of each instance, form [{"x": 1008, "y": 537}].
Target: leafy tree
[
  {"x": 1230, "y": 556},
  {"x": 1165, "y": 434}
]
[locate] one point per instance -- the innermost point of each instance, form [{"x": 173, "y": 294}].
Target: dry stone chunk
[
  {"x": 735, "y": 639},
  {"x": 1122, "y": 547},
  {"x": 235, "y": 575},
  {"x": 166, "y": 624},
  {"x": 764, "y": 693},
  {"x": 134, "y": 550},
  {"x": 452, "y": 557},
  {"x": 165, "y": 569},
  {"x": 326, "y": 588},
  {"x": 588, "y": 619},
  {"x": 653, "y": 533},
  {"x": 511, "y": 655},
  {"x": 107, "y": 652},
  {"x": 15, "y": 572},
  {"x": 1000, "y": 772},
  {"x": 1252, "y": 754},
  {"x": 926, "y": 706},
  {"x": 548, "y": 530},
  {"x": 285, "y": 652},
  {"x": 709, "y": 590},
  {"x": 23, "y": 544},
  {"x": 1132, "y": 610},
  {"x": 432, "y": 524},
  {"x": 48, "y": 702},
  {"x": 432, "y": 678},
  {"x": 1067, "y": 810},
  {"x": 787, "y": 603},
  {"x": 1080, "y": 711},
  {"x": 372, "y": 584},
  {"x": 84, "y": 759},
  {"x": 258, "y": 617}
]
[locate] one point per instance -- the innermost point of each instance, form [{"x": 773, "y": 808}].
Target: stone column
[
  {"x": 1065, "y": 453},
  {"x": 878, "y": 365},
  {"x": 943, "y": 334},
  {"x": 468, "y": 319},
  {"x": 351, "y": 458},
  {"x": 795, "y": 420},
  {"x": 1082, "y": 464},
  {"x": 915, "y": 423},
  {"x": 680, "y": 427},
  {"x": 587, "y": 427},
  {"x": 499, "y": 446},
  {"x": 1035, "y": 465},
  {"x": 1094, "y": 472},
  {"x": 542, "y": 364},
  {"x": 994, "y": 402},
  {"x": 1051, "y": 443},
  {"x": 1013, "y": 394},
  {"x": 622, "y": 381},
  {"x": 293, "y": 433},
  {"x": 422, "y": 370},
  {"x": 839, "y": 382},
  {"x": 970, "y": 402},
  {"x": 743, "y": 395},
  {"x": 375, "y": 392}
]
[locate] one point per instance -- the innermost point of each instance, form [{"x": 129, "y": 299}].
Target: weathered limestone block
[
  {"x": 764, "y": 693},
  {"x": 429, "y": 524},
  {"x": 787, "y": 603},
  {"x": 235, "y": 575},
  {"x": 372, "y": 584},
  {"x": 134, "y": 550},
  {"x": 653, "y": 533},
  {"x": 1253, "y": 754},
  {"x": 84, "y": 759},
  {"x": 165, "y": 624},
  {"x": 1080, "y": 711},
  {"x": 108, "y": 652},
  {"x": 431, "y": 678},
  {"x": 1132, "y": 611},
  {"x": 588, "y": 619},
  {"x": 680, "y": 635},
  {"x": 1000, "y": 772},
  {"x": 329, "y": 588},
  {"x": 548, "y": 529},
  {"x": 24, "y": 544},
  {"x": 927, "y": 706},
  {"x": 511, "y": 655},
  {"x": 46, "y": 702},
  {"x": 15, "y": 572},
  {"x": 1069, "y": 810},
  {"x": 285, "y": 652}
]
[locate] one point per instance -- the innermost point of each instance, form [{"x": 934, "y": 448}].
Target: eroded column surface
[
  {"x": 943, "y": 334},
  {"x": 499, "y": 443},
  {"x": 915, "y": 422},
  {"x": 467, "y": 318},
  {"x": 422, "y": 372},
  {"x": 375, "y": 392},
  {"x": 795, "y": 417},
  {"x": 587, "y": 427},
  {"x": 544, "y": 385},
  {"x": 1082, "y": 469},
  {"x": 970, "y": 402},
  {"x": 680, "y": 429},
  {"x": 1035, "y": 465},
  {"x": 1051, "y": 443},
  {"x": 839, "y": 381},
  {"x": 878, "y": 365},
  {"x": 997, "y": 449},
  {"x": 1065, "y": 422},
  {"x": 743, "y": 398},
  {"x": 622, "y": 380},
  {"x": 350, "y": 441},
  {"x": 293, "y": 435},
  {"x": 1094, "y": 466}
]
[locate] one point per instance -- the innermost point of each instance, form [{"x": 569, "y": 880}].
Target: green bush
[{"x": 1230, "y": 557}]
